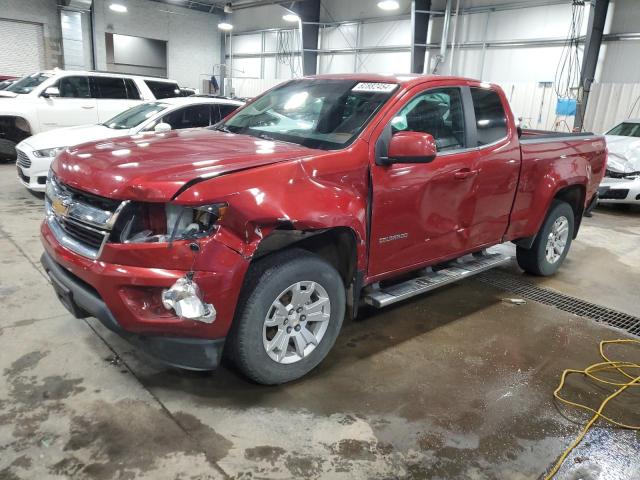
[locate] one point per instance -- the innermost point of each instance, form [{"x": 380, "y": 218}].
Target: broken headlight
[{"x": 148, "y": 223}]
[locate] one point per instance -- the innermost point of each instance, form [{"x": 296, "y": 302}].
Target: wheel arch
[
  {"x": 574, "y": 195},
  {"x": 337, "y": 245}
]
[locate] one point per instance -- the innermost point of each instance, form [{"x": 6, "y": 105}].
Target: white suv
[{"x": 61, "y": 98}]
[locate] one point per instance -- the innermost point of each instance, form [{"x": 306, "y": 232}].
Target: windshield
[
  {"x": 27, "y": 84},
  {"x": 625, "y": 129},
  {"x": 316, "y": 113},
  {"x": 135, "y": 116}
]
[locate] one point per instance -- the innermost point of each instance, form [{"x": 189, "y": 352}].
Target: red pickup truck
[{"x": 255, "y": 238}]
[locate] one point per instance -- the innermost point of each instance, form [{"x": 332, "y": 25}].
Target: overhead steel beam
[
  {"x": 420, "y": 13},
  {"x": 595, "y": 32},
  {"x": 309, "y": 13}
]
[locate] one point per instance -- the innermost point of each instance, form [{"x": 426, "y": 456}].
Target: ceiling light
[
  {"x": 388, "y": 5},
  {"x": 290, "y": 17},
  {"x": 225, "y": 26},
  {"x": 116, "y": 7}
]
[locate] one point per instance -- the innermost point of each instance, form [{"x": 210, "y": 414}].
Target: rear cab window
[
  {"x": 491, "y": 119},
  {"x": 163, "y": 89}
]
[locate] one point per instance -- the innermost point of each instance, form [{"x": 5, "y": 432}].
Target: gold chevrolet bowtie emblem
[{"x": 59, "y": 207}]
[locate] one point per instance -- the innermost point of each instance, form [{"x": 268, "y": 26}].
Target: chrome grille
[
  {"x": 80, "y": 221},
  {"x": 23, "y": 160},
  {"x": 82, "y": 232}
]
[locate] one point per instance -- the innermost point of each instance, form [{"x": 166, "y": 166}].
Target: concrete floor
[{"x": 457, "y": 384}]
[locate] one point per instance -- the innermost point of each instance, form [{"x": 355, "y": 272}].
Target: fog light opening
[{"x": 185, "y": 299}]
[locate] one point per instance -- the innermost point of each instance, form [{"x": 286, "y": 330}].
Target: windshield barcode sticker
[{"x": 374, "y": 87}]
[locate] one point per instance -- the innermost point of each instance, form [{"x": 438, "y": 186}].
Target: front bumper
[
  {"x": 32, "y": 170},
  {"x": 83, "y": 301},
  {"x": 124, "y": 293},
  {"x": 619, "y": 190}
]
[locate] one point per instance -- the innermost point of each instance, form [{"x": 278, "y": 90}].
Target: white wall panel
[
  {"x": 247, "y": 43},
  {"x": 623, "y": 17},
  {"x": 386, "y": 33},
  {"x": 247, "y": 67},
  {"x": 610, "y": 104},
  {"x": 338, "y": 63},
  {"x": 251, "y": 87},
  {"x": 343, "y": 36},
  {"x": 270, "y": 68},
  {"x": 620, "y": 62},
  {"x": 535, "y": 106},
  {"x": 387, "y": 62},
  {"x": 270, "y": 41}
]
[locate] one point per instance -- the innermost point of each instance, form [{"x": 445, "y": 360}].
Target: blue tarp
[{"x": 566, "y": 106}]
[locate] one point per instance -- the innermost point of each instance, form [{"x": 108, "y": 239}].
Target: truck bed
[{"x": 552, "y": 161}]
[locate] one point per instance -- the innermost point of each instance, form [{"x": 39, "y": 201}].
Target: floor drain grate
[{"x": 566, "y": 303}]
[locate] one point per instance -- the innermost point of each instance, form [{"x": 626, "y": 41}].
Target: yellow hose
[{"x": 590, "y": 372}]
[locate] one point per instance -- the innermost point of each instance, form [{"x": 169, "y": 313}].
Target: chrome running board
[{"x": 433, "y": 277}]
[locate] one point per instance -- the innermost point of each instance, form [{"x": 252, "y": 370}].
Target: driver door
[{"x": 422, "y": 212}]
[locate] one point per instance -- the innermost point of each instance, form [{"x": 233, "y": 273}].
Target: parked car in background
[
  {"x": 59, "y": 98},
  {"x": 256, "y": 237},
  {"x": 621, "y": 183},
  {"x": 35, "y": 154},
  {"x": 6, "y": 80},
  {"x": 187, "y": 92}
]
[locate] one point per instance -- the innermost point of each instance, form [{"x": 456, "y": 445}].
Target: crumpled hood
[
  {"x": 69, "y": 136},
  {"x": 153, "y": 167},
  {"x": 624, "y": 154}
]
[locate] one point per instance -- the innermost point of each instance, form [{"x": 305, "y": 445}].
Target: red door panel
[{"x": 420, "y": 212}]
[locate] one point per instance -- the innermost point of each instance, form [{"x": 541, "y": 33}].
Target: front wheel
[
  {"x": 289, "y": 316},
  {"x": 552, "y": 242}
]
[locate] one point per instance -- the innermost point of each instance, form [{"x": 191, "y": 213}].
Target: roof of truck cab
[{"x": 406, "y": 79}]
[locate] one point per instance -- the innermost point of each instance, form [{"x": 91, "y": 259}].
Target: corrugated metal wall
[
  {"x": 22, "y": 48},
  {"x": 610, "y": 104}
]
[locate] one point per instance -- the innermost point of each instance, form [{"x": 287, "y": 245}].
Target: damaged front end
[{"x": 185, "y": 299}]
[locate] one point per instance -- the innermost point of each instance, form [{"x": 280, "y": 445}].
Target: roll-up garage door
[{"x": 21, "y": 47}]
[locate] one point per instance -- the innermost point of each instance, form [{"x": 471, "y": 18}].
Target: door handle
[
  {"x": 88, "y": 107},
  {"x": 464, "y": 173}
]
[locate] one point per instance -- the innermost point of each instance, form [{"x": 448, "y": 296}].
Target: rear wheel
[
  {"x": 552, "y": 242},
  {"x": 289, "y": 316}
]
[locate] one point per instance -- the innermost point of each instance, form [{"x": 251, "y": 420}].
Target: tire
[
  {"x": 536, "y": 259},
  {"x": 259, "y": 325}
]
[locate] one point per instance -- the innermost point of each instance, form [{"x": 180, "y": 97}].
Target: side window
[
  {"x": 132, "y": 90},
  {"x": 163, "y": 89},
  {"x": 74, "y": 87},
  {"x": 438, "y": 112},
  {"x": 189, "y": 117},
  {"x": 219, "y": 111},
  {"x": 110, "y": 87},
  {"x": 491, "y": 120}
]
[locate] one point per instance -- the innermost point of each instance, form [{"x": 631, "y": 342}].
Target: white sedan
[
  {"x": 35, "y": 154},
  {"x": 621, "y": 183}
]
